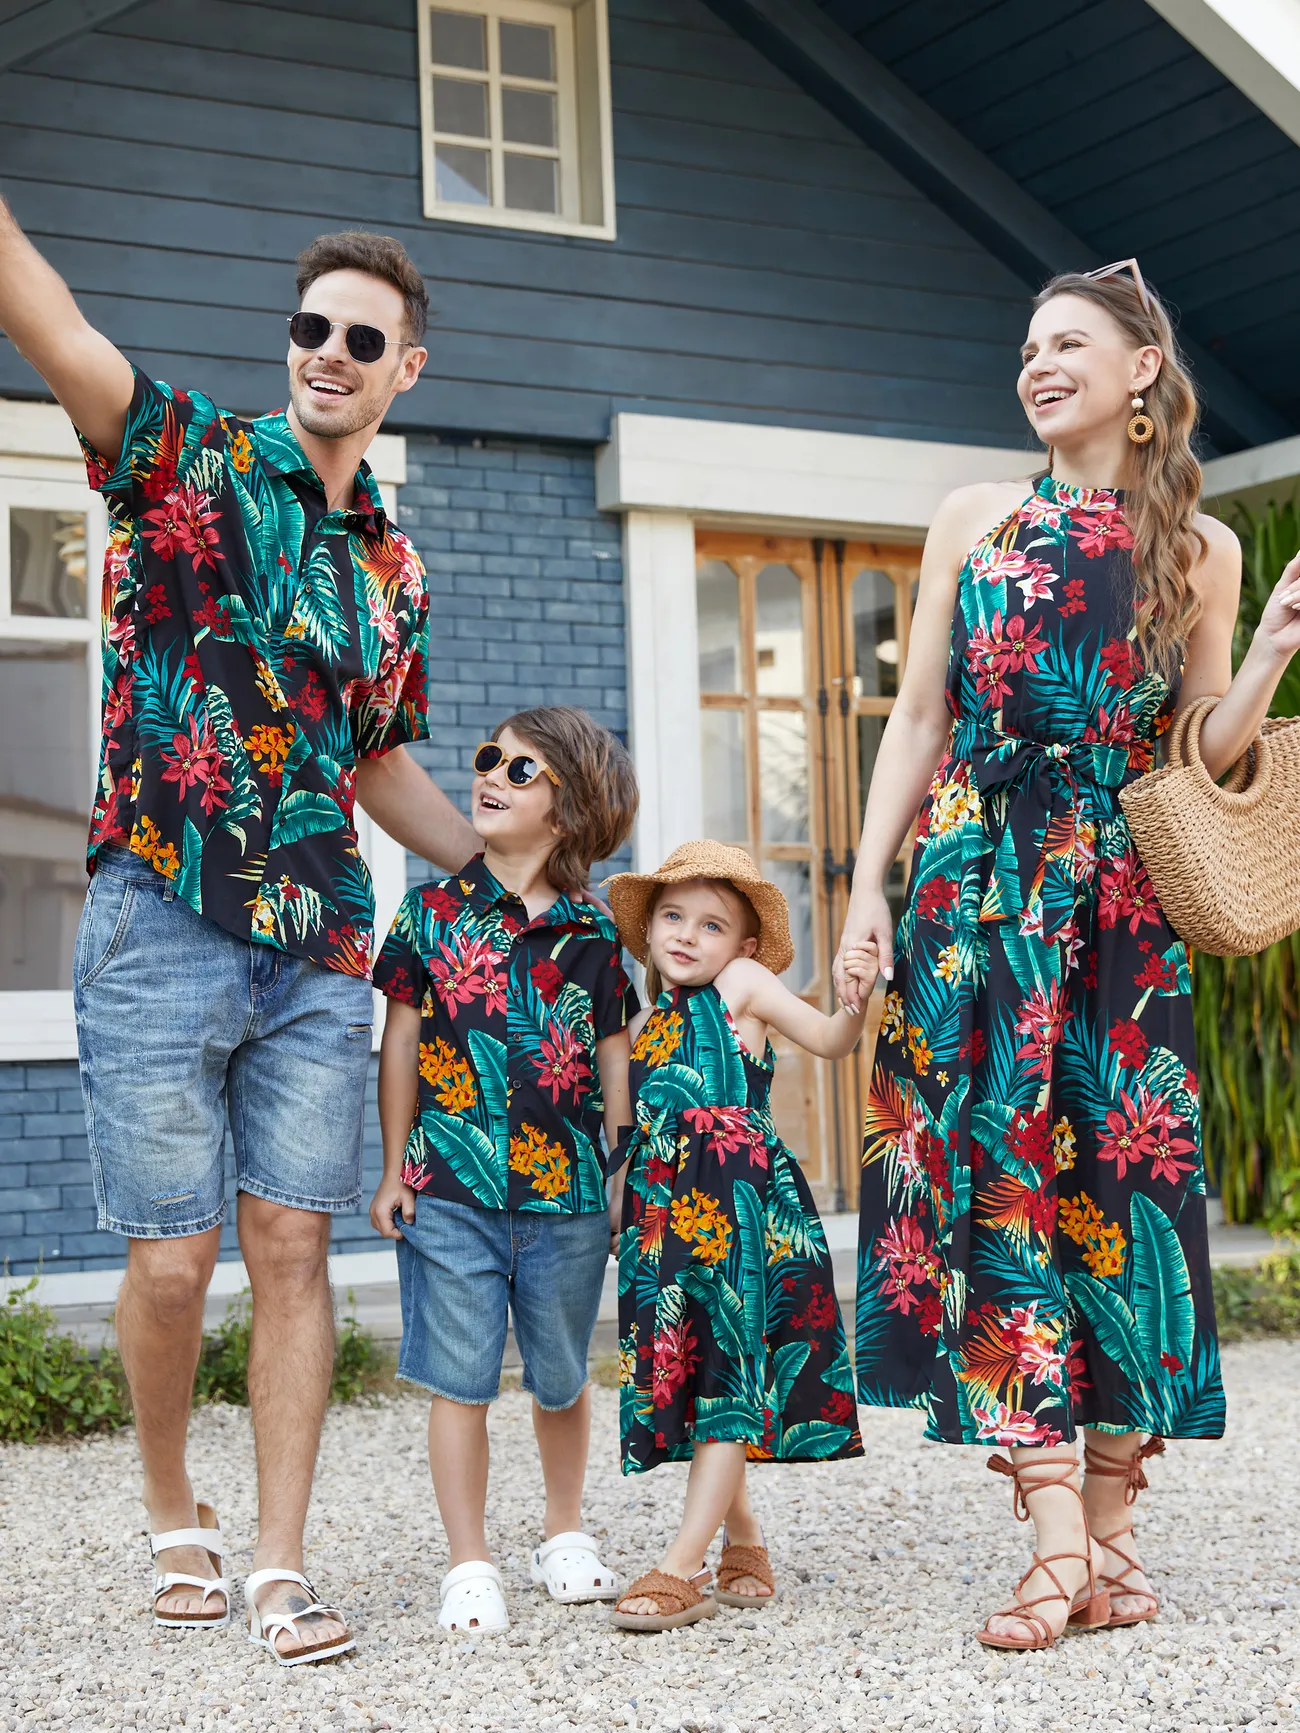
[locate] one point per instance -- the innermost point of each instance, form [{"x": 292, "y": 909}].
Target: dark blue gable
[{"x": 768, "y": 266}]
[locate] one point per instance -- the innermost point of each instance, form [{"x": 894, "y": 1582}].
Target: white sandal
[
  {"x": 206, "y": 1536},
  {"x": 472, "y": 1600},
  {"x": 263, "y": 1630},
  {"x": 570, "y": 1567}
]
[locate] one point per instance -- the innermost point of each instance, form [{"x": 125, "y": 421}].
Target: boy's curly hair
[{"x": 596, "y": 802}]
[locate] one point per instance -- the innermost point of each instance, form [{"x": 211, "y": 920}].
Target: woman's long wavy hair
[{"x": 1161, "y": 500}]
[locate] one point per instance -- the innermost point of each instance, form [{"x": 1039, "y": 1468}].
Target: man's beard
[{"x": 363, "y": 410}]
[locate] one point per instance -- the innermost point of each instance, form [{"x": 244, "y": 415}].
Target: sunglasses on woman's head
[
  {"x": 366, "y": 343},
  {"x": 1117, "y": 270},
  {"x": 521, "y": 769}
]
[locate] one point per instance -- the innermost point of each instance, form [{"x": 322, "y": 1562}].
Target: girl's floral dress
[
  {"x": 728, "y": 1323},
  {"x": 1033, "y": 1251}
]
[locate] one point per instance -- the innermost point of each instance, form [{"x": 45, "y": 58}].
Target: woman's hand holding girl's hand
[
  {"x": 390, "y": 1196},
  {"x": 1279, "y": 625},
  {"x": 870, "y": 925},
  {"x": 862, "y": 966}
]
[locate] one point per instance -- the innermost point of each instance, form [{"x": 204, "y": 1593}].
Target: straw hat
[{"x": 630, "y": 894}]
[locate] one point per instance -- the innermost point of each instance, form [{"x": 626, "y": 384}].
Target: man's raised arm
[{"x": 91, "y": 379}]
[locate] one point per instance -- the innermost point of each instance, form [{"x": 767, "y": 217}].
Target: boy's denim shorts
[
  {"x": 462, "y": 1268},
  {"x": 178, "y": 1021}
]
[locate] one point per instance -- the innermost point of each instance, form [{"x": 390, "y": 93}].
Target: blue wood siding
[
  {"x": 768, "y": 266},
  {"x": 1120, "y": 127}
]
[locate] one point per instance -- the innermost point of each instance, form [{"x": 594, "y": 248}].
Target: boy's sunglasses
[
  {"x": 522, "y": 769},
  {"x": 366, "y": 343},
  {"x": 1117, "y": 270}
]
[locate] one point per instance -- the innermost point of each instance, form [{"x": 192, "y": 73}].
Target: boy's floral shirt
[
  {"x": 255, "y": 645},
  {"x": 510, "y": 1106}
]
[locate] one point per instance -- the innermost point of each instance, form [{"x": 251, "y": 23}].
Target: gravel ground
[{"x": 885, "y": 1568}]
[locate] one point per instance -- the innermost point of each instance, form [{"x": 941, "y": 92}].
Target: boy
[{"x": 505, "y": 1051}]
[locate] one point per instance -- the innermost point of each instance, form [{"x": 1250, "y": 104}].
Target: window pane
[
  {"x": 870, "y": 728},
  {"x": 783, "y": 775},
  {"x": 47, "y": 563},
  {"x": 458, "y": 40},
  {"x": 459, "y": 106},
  {"x": 778, "y": 631},
  {"x": 464, "y": 175},
  {"x": 722, "y": 769},
  {"x": 528, "y": 116},
  {"x": 531, "y": 183},
  {"x": 45, "y": 791},
  {"x": 896, "y": 889},
  {"x": 791, "y": 876},
  {"x": 527, "y": 51},
  {"x": 717, "y": 605},
  {"x": 875, "y": 636}
]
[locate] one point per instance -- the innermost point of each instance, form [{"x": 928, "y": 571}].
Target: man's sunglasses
[
  {"x": 522, "y": 769},
  {"x": 1117, "y": 270},
  {"x": 366, "y": 343}
]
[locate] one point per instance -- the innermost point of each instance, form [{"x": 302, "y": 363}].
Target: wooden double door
[{"x": 802, "y": 642}]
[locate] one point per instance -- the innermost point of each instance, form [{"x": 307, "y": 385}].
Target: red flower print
[
  {"x": 1042, "y": 1213},
  {"x": 1000, "y": 650},
  {"x": 1126, "y": 893},
  {"x": 194, "y": 759},
  {"x": 929, "y": 1314},
  {"x": 466, "y": 969},
  {"x": 1076, "y": 1367},
  {"x": 676, "y": 1355},
  {"x": 839, "y": 1410},
  {"x": 908, "y": 1255},
  {"x": 1042, "y": 1017},
  {"x": 1101, "y": 531},
  {"x": 1156, "y": 974},
  {"x": 212, "y": 615},
  {"x": 818, "y": 1314},
  {"x": 1128, "y": 1137},
  {"x": 312, "y": 702},
  {"x": 1030, "y": 1137},
  {"x": 1171, "y": 1362},
  {"x": 562, "y": 1064},
  {"x": 936, "y": 895},
  {"x": 155, "y": 601},
  {"x": 974, "y": 1049},
  {"x": 548, "y": 978},
  {"x": 730, "y": 1131},
  {"x": 398, "y": 986},
  {"x": 1167, "y": 1147},
  {"x": 440, "y": 902},
  {"x": 1074, "y": 602},
  {"x": 1120, "y": 660},
  {"x": 1129, "y": 1042},
  {"x": 184, "y": 521},
  {"x": 997, "y": 1424}
]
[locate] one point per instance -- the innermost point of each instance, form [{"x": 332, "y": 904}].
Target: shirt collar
[
  {"x": 485, "y": 890},
  {"x": 278, "y": 448}
]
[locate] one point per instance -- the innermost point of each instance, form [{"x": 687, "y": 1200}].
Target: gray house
[{"x": 728, "y": 295}]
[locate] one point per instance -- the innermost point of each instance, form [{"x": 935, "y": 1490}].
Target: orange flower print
[
  {"x": 659, "y": 1039},
  {"x": 700, "y": 1219},
  {"x": 546, "y": 1164},
  {"x": 270, "y": 747},
  {"x": 448, "y": 1076},
  {"x": 241, "y": 452},
  {"x": 146, "y": 841}
]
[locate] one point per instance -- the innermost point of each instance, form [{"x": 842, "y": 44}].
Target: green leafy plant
[
  {"x": 1247, "y": 1009},
  {"x": 1260, "y": 1301},
  {"x": 51, "y": 1386},
  {"x": 360, "y": 1363}
]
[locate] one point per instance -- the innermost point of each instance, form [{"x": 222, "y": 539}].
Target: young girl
[
  {"x": 505, "y": 1054},
  {"x": 731, "y": 1341}
]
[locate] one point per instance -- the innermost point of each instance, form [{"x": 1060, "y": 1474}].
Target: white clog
[
  {"x": 569, "y": 1566},
  {"x": 472, "y": 1601}
]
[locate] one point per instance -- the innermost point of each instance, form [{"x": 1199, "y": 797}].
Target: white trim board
[
  {"x": 790, "y": 477},
  {"x": 99, "y": 1287},
  {"x": 1260, "y": 466},
  {"x": 1253, "y": 43}
]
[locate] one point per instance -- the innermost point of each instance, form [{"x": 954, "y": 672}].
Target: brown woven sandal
[
  {"x": 1128, "y": 1469},
  {"x": 743, "y": 1561},
  {"x": 679, "y": 1600},
  {"x": 1090, "y": 1609}
]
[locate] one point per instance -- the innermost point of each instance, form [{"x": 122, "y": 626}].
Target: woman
[{"x": 1033, "y": 1245}]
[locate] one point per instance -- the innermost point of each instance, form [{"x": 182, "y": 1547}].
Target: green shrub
[
  {"x": 50, "y": 1386},
  {"x": 360, "y": 1364},
  {"x": 1263, "y": 1300}
]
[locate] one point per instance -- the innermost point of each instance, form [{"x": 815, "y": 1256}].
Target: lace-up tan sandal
[
  {"x": 681, "y": 1601},
  {"x": 744, "y": 1561},
  {"x": 1130, "y": 1470},
  {"x": 1090, "y": 1609}
]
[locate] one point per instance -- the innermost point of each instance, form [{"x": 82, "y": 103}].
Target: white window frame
[
  {"x": 585, "y": 128},
  {"x": 41, "y": 467}
]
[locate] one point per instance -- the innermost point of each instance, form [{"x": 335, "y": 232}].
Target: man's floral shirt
[
  {"x": 510, "y": 1106},
  {"x": 255, "y": 646}
]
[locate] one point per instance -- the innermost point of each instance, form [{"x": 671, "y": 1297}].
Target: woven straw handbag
[{"x": 1225, "y": 862}]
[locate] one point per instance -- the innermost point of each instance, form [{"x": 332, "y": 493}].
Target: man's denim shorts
[
  {"x": 462, "y": 1268},
  {"x": 178, "y": 1020}
]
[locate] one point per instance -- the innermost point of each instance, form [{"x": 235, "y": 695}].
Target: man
[{"x": 265, "y": 629}]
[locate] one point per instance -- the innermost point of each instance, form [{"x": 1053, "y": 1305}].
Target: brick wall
[{"x": 525, "y": 578}]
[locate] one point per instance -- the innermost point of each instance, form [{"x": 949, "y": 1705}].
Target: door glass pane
[
  {"x": 791, "y": 877},
  {"x": 47, "y": 563},
  {"x": 527, "y": 51},
  {"x": 463, "y": 175},
  {"x": 531, "y": 183},
  {"x": 722, "y": 769},
  {"x": 458, "y": 40},
  {"x": 783, "y": 775},
  {"x": 717, "y": 606},
  {"x": 528, "y": 117},
  {"x": 875, "y": 636},
  {"x": 778, "y": 631},
  {"x": 870, "y": 728},
  {"x": 896, "y": 889},
  {"x": 45, "y": 791},
  {"x": 459, "y": 106}
]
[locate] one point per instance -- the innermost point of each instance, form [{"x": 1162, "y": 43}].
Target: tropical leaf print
[
  {"x": 301, "y": 814},
  {"x": 317, "y": 611},
  {"x": 469, "y": 1152},
  {"x": 1033, "y": 1246},
  {"x": 245, "y": 801},
  {"x": 189, "y": 885}
]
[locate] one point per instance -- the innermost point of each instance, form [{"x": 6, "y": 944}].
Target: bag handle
[{"x": 1251, "y": 774}]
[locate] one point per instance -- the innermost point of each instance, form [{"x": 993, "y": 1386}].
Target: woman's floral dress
[
  {"x": 1033, "y": 1250},
  {"x": 729, "y": 1329}
]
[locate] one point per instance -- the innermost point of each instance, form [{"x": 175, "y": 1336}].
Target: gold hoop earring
[{"x": 1141, "y": 430}]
